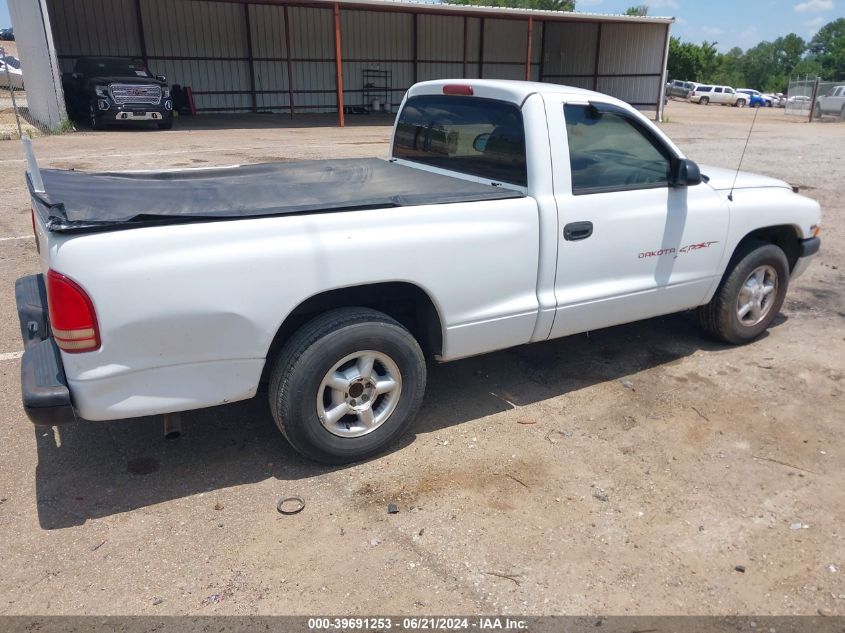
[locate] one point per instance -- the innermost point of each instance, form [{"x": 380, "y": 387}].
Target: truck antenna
[{"x": 741, "y": 158}]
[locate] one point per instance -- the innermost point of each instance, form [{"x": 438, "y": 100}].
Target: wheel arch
[
  {"x": 784, "y": 236},
  {"x": 408, "y": 303}
]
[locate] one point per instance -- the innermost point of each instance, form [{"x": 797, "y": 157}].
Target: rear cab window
[{"x": 471, "y": 135}]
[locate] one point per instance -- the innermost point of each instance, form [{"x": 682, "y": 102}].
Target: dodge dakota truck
[{"x": 506, "y": 213}]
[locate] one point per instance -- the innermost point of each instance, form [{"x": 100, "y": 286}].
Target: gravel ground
[{"x": 536, "y": 481}]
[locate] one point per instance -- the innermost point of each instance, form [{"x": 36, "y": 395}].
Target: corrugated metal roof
[{"x": 413, "y": 6}]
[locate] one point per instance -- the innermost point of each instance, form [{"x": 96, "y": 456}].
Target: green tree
[
  {"x": 543, "y": 5},
  {"x": 640, "y": 10},
  {"x": 730, "y": 69},
  {"x": 828, "y": 48}
]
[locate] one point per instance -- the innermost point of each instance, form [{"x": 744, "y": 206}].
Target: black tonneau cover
[{"x": 83, "y": 201}]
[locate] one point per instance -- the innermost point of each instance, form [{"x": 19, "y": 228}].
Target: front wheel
[
  {"x": 817, "y": 111},
  {"x": 750, "y": 295},
  {"x": 346, "y": 385},
  {"x": 94, "y": 118}
]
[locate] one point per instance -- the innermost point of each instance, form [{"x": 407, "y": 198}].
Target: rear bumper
[{"x": 46, "y": 397}]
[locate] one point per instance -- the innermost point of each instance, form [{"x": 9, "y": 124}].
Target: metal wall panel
[
  {"x": 639, "y": 91},
  {"x": 570, "y": 49},
  {"x": 94, "y": 27},
  {"x": 312, "y": 33},
  {"x": 442, "y": 70},
  {"x": 376, "y": 35},
  {"x": 577, "y": 82},
  {"x": 473, "y": 31},
  {"x": 632, "y": 49},
  {"x": 440, "y": 38},
  {"x": 504, "y": 41}
]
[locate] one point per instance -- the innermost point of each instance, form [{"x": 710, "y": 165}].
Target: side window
[
  {"x": 612, "y": 152},
  {"x": 717, "y": 90}
]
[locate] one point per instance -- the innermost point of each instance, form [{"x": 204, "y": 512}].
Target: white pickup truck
[{"x": 507, "y": 213}]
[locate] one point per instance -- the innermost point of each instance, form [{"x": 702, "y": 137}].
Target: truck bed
[{"x": 85, "y": 201}]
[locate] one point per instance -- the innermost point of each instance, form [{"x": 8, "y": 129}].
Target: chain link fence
[
  {"x": 823, "y": 98},
  {"x": 15, "y": 118}
]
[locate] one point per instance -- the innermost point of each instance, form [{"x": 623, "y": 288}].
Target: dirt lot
[{"x": 536, "y": 482}]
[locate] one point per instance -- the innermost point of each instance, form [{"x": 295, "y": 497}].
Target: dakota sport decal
[{"x": 676, "y": 251}]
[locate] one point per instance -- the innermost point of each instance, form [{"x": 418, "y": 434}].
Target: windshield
[
  {"x": 471, "y": 135},
  {"x": 111, "y": 67}
]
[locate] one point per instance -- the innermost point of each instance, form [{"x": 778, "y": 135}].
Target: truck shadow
[{"x": 95, "y": 469}]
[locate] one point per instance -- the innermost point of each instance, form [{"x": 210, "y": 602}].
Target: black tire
[
  {"x": 817, "y": 112},
  {"x": 309, "y": 356},
  {"x": 720, "y": 317},
  {"x": 842, "y": 113},
  {"x": 166, "y": 125},
  {"x": 705, "y": 101},
  {"x": 740, "y": 103},
  {"x": 94, "y": 121}
]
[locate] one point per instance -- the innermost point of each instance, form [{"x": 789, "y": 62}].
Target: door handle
[{"x": 575, "y": 231}]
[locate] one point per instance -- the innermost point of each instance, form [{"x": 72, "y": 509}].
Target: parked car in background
[
  {"x": 723, "y": 95},
  {"x": 107, "y": 90},
  {"x": 778, "y": 99},
  {"x": 7, "y": 34},
  {"x": 831, "y": 103},
  {"x": 800, "y": 102},
  {"x": 678, "y": 88},
  {"x": 756, "y": 99},
  {"x": 14, "y": 78}
]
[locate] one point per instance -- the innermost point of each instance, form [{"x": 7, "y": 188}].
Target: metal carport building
[{"x": 297, "y": 57}]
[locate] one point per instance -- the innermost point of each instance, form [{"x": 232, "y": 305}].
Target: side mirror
[
  {"x": 161, "y": 78},
  {"x": 685, "y": 173},
  {"x": 480, "y": 142}
]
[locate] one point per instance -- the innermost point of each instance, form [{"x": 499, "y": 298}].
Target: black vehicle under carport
[{"x": 113, "y": 90}]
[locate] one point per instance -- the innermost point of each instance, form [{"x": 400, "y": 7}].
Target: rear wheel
[
  {"x": 705, "y": 101},
  {"x": 346, "y": 385},
  {"x": 842, "y": 113},
  {"x": 817, "y": 111},
  {"x": 740, "y": 103},
  {"x": 750, "y": 295}
]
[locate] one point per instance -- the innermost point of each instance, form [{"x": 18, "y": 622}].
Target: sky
[
  {"x": 742, "y": 23},
  {"x": 731, "y": 23}
]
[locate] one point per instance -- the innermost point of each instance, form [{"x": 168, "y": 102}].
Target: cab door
[{"x": 630, "y": 245}]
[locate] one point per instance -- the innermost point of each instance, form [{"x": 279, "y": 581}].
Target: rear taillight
[{"x": 72, "y": 317}]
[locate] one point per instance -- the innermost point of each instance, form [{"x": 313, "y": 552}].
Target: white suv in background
[{"x": 723, "y": 95}]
